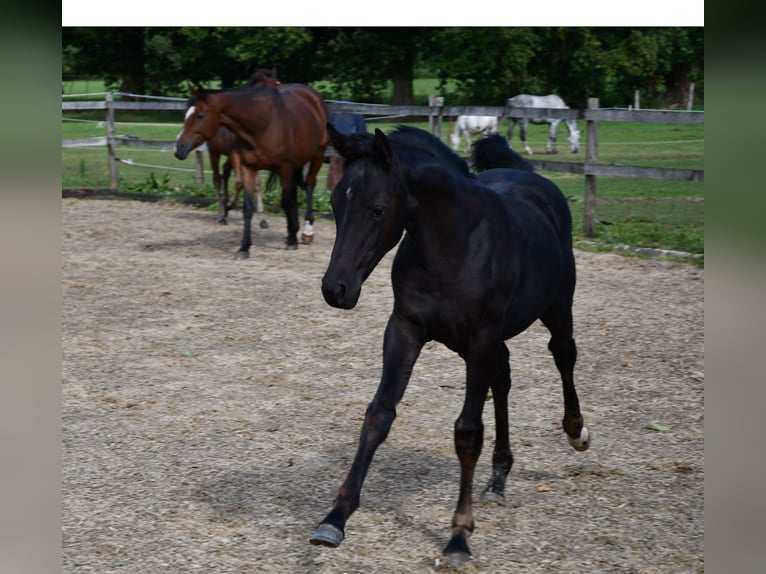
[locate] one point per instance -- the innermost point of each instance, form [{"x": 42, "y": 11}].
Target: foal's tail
[{"x": 493, "y": 151}]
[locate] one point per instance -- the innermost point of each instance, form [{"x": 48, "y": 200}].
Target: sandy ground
[{"x": 211, "y": 408}]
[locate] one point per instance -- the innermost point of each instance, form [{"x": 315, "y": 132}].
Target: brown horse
[
  {"x": 223, "y": 144},
  {"x": 279, "y": 129}
]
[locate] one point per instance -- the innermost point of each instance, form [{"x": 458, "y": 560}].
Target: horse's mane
[{"x": 417, "y": 147}]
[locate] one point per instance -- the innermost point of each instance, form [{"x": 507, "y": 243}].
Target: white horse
[
  {"x": 551, "y": 102},
  {"x": 470, "y": 126}
]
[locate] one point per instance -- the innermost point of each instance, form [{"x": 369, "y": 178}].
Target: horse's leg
[
  {"x": 484, "y": 362},
  {"x": 401, "y": 346},
  {"x": 511, "y": 125},
  {"x": 225, "y": 180},
  {"x": 523, "y": 135},
  {"x": 236, "y": 167},
  {"x": 258, "y": 190},
  {"x": 247, "y": 214},
  {"x": 551, "y": 147},
  {"x": 290, "y": 205},
  {"x": 215, "y": 165},
  {"x": 558, "y": 320},
  {"x": 502, "y": 458},
  {"x": 307, "y": 236}
]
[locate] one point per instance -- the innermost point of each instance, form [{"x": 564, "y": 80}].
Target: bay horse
[
  {"x": 469, "y": 126},
  {"x": 280, "y": 129},
  {"x": 550, "y": 101},
  {"x": 223, "y": 143},
  {"x": 483, "y": 257}
]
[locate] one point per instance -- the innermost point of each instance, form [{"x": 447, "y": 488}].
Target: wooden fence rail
[{"x": 435, "y": 113}]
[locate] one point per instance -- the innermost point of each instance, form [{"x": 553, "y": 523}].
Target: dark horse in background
[
  {"x": 223, "y": 143},
  {"x": 280, "y": 129},
  {"x": 483, "y": 258}
]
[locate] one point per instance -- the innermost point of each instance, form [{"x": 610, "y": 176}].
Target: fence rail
[{"x": 435, "y": 113}]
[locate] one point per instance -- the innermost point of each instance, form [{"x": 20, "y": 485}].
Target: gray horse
[{"x": 551, "y": 101}]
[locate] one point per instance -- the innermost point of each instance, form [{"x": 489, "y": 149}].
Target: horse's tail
[
  {"x": 493, "y": 151},
  {"x": 299, "y": 177}
]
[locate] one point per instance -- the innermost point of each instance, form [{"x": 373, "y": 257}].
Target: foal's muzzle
[{"x": 337, "y": 294}]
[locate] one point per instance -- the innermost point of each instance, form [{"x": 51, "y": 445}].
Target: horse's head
[
  {"x": 200, "y": 124},
  {"x": 574, "y": 136},
  {"x": 370, "y": 208}
]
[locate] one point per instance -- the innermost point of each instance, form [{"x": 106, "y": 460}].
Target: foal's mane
[{"x": 418, "y": 148}]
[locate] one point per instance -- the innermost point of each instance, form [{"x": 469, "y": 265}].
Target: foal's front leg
[{"x": 401, "y": 347}]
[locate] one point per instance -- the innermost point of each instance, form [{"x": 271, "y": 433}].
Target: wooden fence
[{"x": 435, "y": 112}]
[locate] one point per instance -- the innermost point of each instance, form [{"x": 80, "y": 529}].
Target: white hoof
[{"x": 582, "y": 442}]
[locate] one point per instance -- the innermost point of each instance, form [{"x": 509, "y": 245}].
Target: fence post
[
  {"x": 112, "y": 158},
  {"x": 591, "y": 156},
  {"x": 435, "y": 116},
  {"x": 199, "y": 165}
]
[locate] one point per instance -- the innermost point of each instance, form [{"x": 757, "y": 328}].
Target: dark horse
[
  {"x": 279, "y": 129},
  {"x": 223, "y": 143},
  {"x": 484, "y": 256}
]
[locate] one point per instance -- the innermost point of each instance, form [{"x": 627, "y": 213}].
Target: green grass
[{"x": 660, "y": 214}]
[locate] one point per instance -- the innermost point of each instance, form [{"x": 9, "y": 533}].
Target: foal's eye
[
  {"x": 377, "y": 212},
  {"x": 200, "y": 116}
]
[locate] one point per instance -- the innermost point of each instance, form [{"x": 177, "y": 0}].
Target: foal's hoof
[
  {"x": 457, "y": 559},
  {"x": 223, "y": 221},
  {"x": 491, "y": 496},
  {"x": 327, "y": 535},
  {"x": 582, "y": 442},
  {"x": 291, "y": 246},
  {"x": 242, "y": 255},
  {"x": 306, "y": 239},
  {"x": 264, "y": 224}
]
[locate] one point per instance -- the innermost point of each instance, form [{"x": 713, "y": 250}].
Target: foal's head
[{"x": 370, "y": 208}]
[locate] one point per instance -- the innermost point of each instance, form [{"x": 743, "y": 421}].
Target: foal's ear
[
  {"x": 382, "y": 147},
  {"x": 337, "y": 140}
]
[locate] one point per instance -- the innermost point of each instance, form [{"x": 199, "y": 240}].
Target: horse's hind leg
[
  {"x": 290, "y": 206},
  {"x": 307, "y": 235},
  {"x": 258, "y": 190},
  {"x": 523, "y": 136},
  {"x": 562, "y": 346},
  {"x": 502, "y": 458}
]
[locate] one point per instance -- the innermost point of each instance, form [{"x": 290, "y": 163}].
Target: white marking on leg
[
  {"x": 308, "y": 229},
  {"x": 583, "y": 442}
]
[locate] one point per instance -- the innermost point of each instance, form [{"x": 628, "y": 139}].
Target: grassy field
[{"x": 637, "y": 212}]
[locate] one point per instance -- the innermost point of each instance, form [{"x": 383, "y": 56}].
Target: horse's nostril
[{"x": 334, "y": 293}]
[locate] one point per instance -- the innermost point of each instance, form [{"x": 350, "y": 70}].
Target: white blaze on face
[{"x": 189, "y": 112}]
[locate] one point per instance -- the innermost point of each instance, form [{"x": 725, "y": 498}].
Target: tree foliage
[{"x": 473, "y": 65}]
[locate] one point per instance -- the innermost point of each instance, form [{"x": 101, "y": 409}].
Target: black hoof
[
  {"x": 327, "y": 535},
  {"x": 492, "y": 496},
  {"x": 223, "y": 221},
  {"x": 264, "y": 224},
  {"x": 457, "y": 559},
  {"x": 242, "y": 255}
]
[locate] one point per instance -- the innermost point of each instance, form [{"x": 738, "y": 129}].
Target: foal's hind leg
[
  {"x": 502, "y": 459},
  {"x": 562, "y": 345}
]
